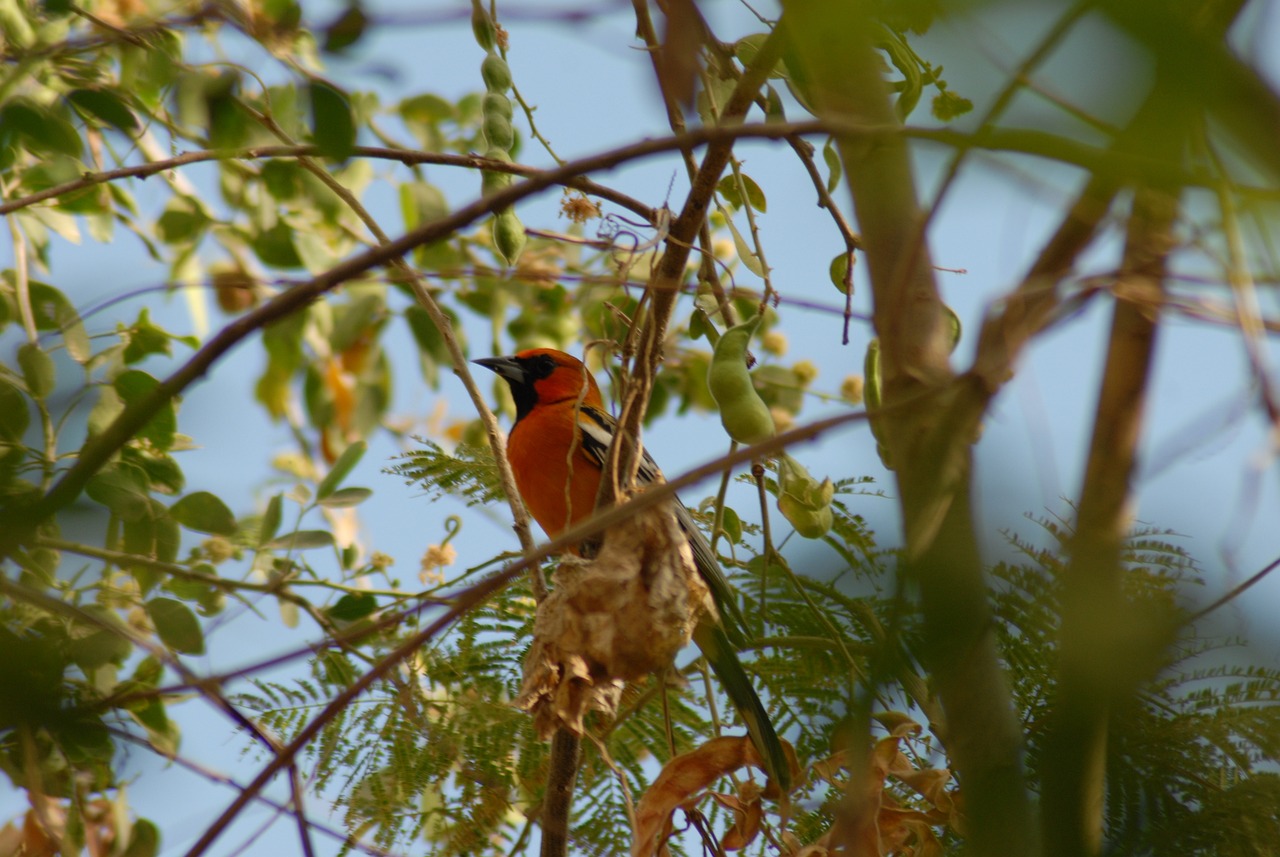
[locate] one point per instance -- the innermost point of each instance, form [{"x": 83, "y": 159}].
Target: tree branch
[
  {"x": 833, "y": 51},
  {"x": 1105, "y": 646}
]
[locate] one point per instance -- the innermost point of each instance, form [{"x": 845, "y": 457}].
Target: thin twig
[{"x": 1234, "y": 592}]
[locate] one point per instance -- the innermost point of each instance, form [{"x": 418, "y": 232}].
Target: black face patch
[{"x": 540, "y": 367}]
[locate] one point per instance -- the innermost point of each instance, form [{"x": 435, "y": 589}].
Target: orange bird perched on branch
[{"x": 559, "y": 413}]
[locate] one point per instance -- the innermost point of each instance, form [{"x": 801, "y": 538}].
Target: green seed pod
[
  {"x": 804, "y": 501},
  {"x": 482, "y": 26},
  {"x": 871, "y": 374},
  {"x": 498, "y": 131},
  {"x": 872, "y": 397},
  {"x": 743, "y": 413},
  {"x": 491, "y": 182},
  {"x": 508, "y": 235},
  {"x": 496, "y": 102},
  {"x": 496, "y": 73},
  {"x": 809, "y": 523}
]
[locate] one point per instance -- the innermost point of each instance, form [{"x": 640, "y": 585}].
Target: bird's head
[{"x": 544, "y": 376}]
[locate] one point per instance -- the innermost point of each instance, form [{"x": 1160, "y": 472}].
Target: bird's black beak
[{"x": 506, "y": 367}]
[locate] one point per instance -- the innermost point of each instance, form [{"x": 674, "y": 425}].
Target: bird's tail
[{"x": 722, "y": 657}]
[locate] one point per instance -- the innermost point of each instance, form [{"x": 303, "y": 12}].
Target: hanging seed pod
[
  {"x": 508, "y": 235},
  {"x": 498, "y": 131},
  {"x": 804, "y": 501},
  {"x": 871, "y": 395},
  {"x": 491, "y": 182},
  {"x": 743, "y": 413},
  {"x": 496, "y": 73},
  {"x": 482, "y": 26},
  {"x": 497, "y": 103}
]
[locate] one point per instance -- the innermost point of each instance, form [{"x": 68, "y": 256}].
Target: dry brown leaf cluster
[
  {"x": 44, "y": 833},
  {"x": 619, "y": 617},
  {"x": 682, "y": 784},
  {"x": 870, "y": 820}
]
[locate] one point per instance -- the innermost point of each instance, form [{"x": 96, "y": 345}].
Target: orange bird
[{"x": 559, "y": 411}]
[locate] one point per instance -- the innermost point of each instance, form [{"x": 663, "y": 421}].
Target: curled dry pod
[
  {"x": 497, "y": 103},
  {"x": 804, "y": 501},
  {"x": 743, "y": 413},
  {"x": 496, "y": 73},
  {"x": 491, "y": 182},
  {"x": 508, "y": 235},
  {"x": 498, "y": 131}
]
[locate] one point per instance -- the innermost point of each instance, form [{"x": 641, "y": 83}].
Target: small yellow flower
[
  {"x": 782, "y": 418},
  {"x": 381, "y": 561},
  {"x": 774, "y": 342},
  {"x": 805, "y": 372},
  {"x": 437, "y": 557},
  {"x": 851, "y": 389}
]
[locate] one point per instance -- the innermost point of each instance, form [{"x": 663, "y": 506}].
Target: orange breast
[{"x": 556, "y": 480}]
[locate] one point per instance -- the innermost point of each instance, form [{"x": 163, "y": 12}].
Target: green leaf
[
  {"x": 177, "y": 626},
  {"x": 346, "y": 497},
  {"x": 732, "y": 525},
  {"x": 151, "y": 534},
  {"x": 432, "y": 350},
  {"x": 182, "y": 221},
  {"x": 332, "y": 124},
  {"x": 204, "y": 513},
  {"x": 947, "y": 105},
  {"x": 282, "y": 179},
  {"x": 352, "y": 607},
  {"x": 954, "y": 328},
  {"x": 275, "y": 247},
  {"x": 37, "y": 369},
  {"x": 86, "y": 741},
  {"x": 106, "y": 106},
  {"x": 14, "y": 414},
  {"x": 53, "y": 311},
  {"x": 228, "y": 123},
  {"x": 728, "y": 188},
  {"x": 162, "y": 470},
  {"x": 353, "y": 320},
  {"x": 745, "y": 253},
  {"x": 100, "y": 646},
  {"x": 145, "y": 338},
  {"x": 838, "y": 270},
  {"x": 47, "y": 132},
  {"x": 271, "y": 519},
  {"x": 302, "y": 540},
  {"x": 349, "y": 459},
  {"x": 746, "y": 48},
  {"x": 834, "y": 166},
  {"x": 346, "y": 31},
  {"x": 122, "y": 489},
  {"x": 144, "y": 841},
  {"x": 135, "y": 385},
  {"x": 421, "y": 202}
]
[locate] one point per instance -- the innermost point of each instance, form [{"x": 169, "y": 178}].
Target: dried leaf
[
  {"x": 681, "y": 779},
  {"x": 748, "y": 814}
]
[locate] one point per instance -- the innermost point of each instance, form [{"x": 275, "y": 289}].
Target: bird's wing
[{"x": 719, "y": 641}]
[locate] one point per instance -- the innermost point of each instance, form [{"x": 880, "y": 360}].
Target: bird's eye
[{"x": 544, "y": 366}]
